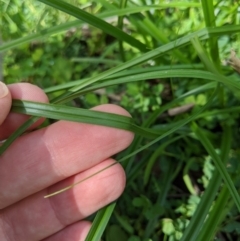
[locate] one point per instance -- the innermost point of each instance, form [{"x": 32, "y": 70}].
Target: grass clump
[{"x": 163, "y": 62}]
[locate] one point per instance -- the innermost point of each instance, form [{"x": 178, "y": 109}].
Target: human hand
[{"x": 46, "y": 160}]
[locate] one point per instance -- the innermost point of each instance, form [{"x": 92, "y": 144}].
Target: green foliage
[{"x": 182, "y": 168}]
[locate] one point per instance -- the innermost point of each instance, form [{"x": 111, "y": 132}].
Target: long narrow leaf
[
  {"x": 126, "y": 74},
  {"x": 218, "y": 163},
  {"x": 17, "y": 133},
  {"x": 193, "y": 233},
  {"x": 100, "y": 222},
  {"x": 95, "y": 21},
  {"x": 145, "y": 76},
  {"x": 61, "y": 112},
  {"x": 209, "y": 17}
]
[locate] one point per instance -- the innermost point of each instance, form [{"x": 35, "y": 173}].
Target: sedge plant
[{"x": 182, "y": 182}]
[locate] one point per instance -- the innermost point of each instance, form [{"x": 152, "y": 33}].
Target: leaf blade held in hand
[{"x": 61, "y": 112}]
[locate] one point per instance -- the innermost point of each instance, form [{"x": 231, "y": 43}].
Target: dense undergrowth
[{"x": 149, "y": 57}]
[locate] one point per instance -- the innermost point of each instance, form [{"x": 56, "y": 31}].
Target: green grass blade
[
  {"x": 41, "y": 34},
  {"x": 232, "y": 84},
  {"x": 95, "y": 60},
  {"x": 125, "y": 73},
  {"x": 145, "y": 76},
  {"x": 209, "y": 17},
  {"x": 122, "y": 5},
  {"x": 17, "y": 133},
  {"x": 200, "y": 215},
  {"x": 96, "y": 22},
  {"x": 152, "y": 30},
  {"x": 209, "y": 228},
  {"x": 100, "y": 222},
  {"x": 192, "y": 233},
  {"x": 218, "y": 163},
  {"x": 154, "y": 156},
  {"x": 208, "y": 11},
  {"x": 233, "y": 109},
  {"x": 219, "y": 209},
  {"x": 203, "y": 55},
  {"x": 226, "y": 143},
  {"x": 162, "y": 199},
  {"x": 61, "y": 112},
  {"x": 106, "y": 4}
]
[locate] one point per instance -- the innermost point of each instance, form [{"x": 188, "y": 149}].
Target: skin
[{"x": 48, "y": 159}]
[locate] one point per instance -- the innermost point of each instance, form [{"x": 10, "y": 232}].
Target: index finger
[{"x": 5, "y": 102}]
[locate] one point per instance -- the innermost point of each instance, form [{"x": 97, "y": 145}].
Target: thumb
[{"x": 5, "y": 102}]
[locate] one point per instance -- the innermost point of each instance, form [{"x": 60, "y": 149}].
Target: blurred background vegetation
[{"x": 166, "y": 181}]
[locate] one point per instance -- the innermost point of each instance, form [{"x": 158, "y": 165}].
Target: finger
[
  {"x": 35, "y": 218},
  {"x": 5, "y": 102},
  {"x": 23, "y": 91},
  {"x": 43, "y": 157},
  {"x": 75, "y": 232}
]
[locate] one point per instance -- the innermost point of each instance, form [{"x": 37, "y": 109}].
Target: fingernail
[{"x": 3, "y": 90}]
